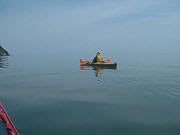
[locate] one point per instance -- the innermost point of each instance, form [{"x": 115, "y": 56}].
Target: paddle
[
  {"x": 86, "y": 62},
  {"x": 107, "y": 61}
]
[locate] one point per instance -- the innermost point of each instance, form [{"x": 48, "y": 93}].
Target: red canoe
[{"x": 6, "y": 125}]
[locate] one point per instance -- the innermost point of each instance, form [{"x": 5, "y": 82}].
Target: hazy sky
[{"x": 107, "y": 25}]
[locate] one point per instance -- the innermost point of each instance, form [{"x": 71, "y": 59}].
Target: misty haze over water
[{"x": 44, "y": 90}]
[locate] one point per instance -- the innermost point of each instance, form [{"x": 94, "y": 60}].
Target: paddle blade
[{"x": 107, "y": 61}]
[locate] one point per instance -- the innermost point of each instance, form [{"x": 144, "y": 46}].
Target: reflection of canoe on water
[
  {"x": 103, "y": 65},
  {"x": 6, "y": 125}
]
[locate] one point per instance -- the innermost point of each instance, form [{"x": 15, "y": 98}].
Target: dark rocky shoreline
[{"x": 3, "y": 52}]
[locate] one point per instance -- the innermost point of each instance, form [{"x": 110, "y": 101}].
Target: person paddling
[{"x": 98, "y": 58}]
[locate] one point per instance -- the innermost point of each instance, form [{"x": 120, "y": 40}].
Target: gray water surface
[{"x": 49, "y": 94}]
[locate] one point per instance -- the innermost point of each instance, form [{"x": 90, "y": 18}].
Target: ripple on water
[
  {"x": 172, "y": 92},
  {"x": 3, "y": 62}
]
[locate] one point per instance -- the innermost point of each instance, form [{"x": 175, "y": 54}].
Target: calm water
[{"x": 48, "y": 94}]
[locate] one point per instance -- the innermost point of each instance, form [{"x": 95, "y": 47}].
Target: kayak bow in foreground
[{"x": 6, "y": 125}]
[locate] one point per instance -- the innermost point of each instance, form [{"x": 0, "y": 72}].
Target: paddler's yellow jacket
[{"x": 98, "y": 58}]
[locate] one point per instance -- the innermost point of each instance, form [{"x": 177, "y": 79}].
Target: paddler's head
[{"x": 98, "y": 53}]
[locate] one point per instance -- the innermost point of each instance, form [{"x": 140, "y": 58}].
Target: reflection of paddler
[
  {"x": 99, "y": 72},
  {"x": 98, "y": 58}
]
